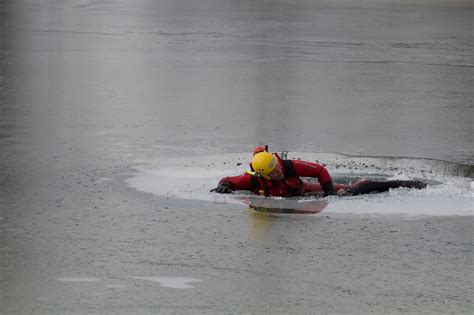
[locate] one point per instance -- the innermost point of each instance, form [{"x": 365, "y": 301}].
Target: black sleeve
[{"x": 370, "y": 186}]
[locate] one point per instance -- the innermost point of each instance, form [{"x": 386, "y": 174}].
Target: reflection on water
[{"x": 294, "y": 206}]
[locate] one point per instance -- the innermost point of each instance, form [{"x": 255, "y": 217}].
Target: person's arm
[
  {"x": 310, "y": 169},
  {"x": 231, "y": 183}
]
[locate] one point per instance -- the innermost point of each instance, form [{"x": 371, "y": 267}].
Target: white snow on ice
[{"x": 171, "y": 282}]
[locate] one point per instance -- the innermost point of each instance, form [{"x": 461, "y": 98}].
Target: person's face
[{"x": 276, "y": 173}]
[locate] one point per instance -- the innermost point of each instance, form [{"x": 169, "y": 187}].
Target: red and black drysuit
[{"x": 292, "y": 185}]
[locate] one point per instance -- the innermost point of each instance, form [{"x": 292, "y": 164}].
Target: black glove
[
  {"x": 328, "y": 189},
  {"x": 222, "y": 188}
]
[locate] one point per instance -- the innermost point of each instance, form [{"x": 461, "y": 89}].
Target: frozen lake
[{"x": 117, "y": 117}]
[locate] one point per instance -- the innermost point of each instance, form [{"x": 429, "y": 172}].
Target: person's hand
[
  {"x": 346, "y": 192},
  {"x": 222, "y": 189},
  {"x": 328, "y": 189}
]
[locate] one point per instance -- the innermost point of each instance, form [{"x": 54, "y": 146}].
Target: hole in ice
[{"x": 449, "y": 191}]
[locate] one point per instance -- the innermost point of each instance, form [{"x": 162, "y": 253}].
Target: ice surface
[{"x": 193, "y": 177}]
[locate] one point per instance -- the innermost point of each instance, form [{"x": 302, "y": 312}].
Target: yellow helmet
[{"x": 263, "y": 163}]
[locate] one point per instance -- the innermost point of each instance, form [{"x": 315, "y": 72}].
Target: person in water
[{"x": 269, "y": 175}]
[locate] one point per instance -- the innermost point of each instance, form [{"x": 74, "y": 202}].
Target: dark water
[{"x": 87, "y": 88}]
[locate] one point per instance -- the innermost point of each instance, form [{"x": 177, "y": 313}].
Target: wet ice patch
[
  {"x": 171, "y": 282},
  {"x": 116, "y": 286},
  {"x": 103, "y": 179},
  {"x": 450, "y": 189},
  {"x": 76, "y": 279}
]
